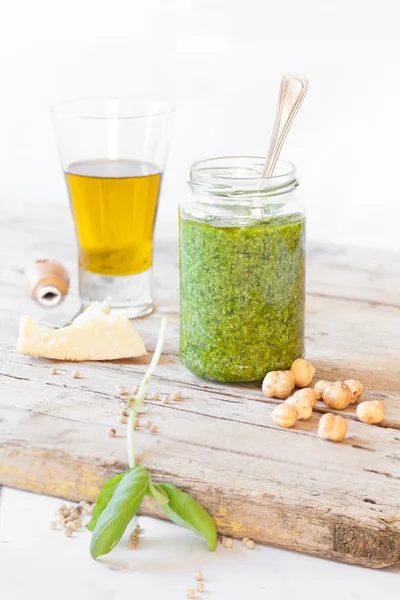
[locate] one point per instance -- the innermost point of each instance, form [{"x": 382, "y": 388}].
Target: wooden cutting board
[{"x": 283, "y": 487}]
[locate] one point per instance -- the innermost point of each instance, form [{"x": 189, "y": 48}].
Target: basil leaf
[
  {"x": 119, "y": 511},
  {"x": 158, "y": 493},
  {"x": 104, "y": 498},
  {"x": 183, "y": 510}
]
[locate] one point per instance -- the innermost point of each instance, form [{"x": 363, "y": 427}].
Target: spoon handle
[{"x": 291, "y": 95}]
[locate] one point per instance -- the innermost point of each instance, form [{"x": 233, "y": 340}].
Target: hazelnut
[
  {"x": 356, "y": 388},
  {"x": 336, "y": 395},
  {"x": 303, "y": 372},
  {"x": 285, "y": 415},
  {"x": 277, "y": 384},
  {"x": 332, "y": 427},
  {"x": 319, "y": 388},
  {"x": 307, "y": 394},
  {"x": 302, "y": 405},
  {"x": 371, "y": 411}
]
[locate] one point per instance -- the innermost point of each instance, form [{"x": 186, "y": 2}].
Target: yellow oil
[{"x": 114, "y": 203}]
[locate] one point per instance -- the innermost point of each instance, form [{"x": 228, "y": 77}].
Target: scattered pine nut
[
  {"x": 153, "y": 429},
  {"x": 175, "y": 396},
  {"x": 120, "y": 390},
  {"x": 134, "y": 538},
  {"x": 76, "y": 374},
  {"x": 124, "y": 411},
  {"x": 61, "y": 520},
  {"x": 71, "y": 525},
  {"x": 155, "y": 396},
  {"x": 68, "y": 532},
  {"x": 250, "y": 545},
  {"x": 245, "y": 540},
  {"x": 220, "y": 539},
  {"x": 53, "y": 371},
  {"x": 136, "y": 423},
  {"x": 53, "y": 525},
  {"x": 111, "y": 432},
  {"x": 200, "y": 587},
  {"x": 165, "y": 400},
  {"x": 90, "y": 509},
  {"x": 190, "y": 593},
  {"x": 199, "y": 576},
  {"x": 135, "y": 390},
  {"x": 228, "y": 543},
  {"x": 123, "y": 420},
  {"x": 148, "y": 424}
]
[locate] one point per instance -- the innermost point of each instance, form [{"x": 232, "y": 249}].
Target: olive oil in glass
[
  {"x": 113, "y": 153},
  {"x": 114, "y": 203}
]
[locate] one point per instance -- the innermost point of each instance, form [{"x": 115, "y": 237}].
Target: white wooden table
[{"x": 40, "y": 563}]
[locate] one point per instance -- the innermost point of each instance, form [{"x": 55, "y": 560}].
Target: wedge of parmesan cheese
[{"x": 96, "y": 334}]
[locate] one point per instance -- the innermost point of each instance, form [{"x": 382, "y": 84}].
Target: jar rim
[{"x": 241, "y": 174}]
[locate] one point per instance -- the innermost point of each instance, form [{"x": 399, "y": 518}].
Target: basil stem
[{"x": 136, "y": 404}]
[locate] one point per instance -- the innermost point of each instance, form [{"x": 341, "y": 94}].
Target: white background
[
  {"x": 38, "y": 563},
  {"x": 220, "y": 62}
]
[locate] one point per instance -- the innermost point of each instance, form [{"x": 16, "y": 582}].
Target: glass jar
[{"x": 242, "y": 270}]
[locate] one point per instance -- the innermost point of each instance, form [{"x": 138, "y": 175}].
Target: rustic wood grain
[{"x": 284, "y": 487}]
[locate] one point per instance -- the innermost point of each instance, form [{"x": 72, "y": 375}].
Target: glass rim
[{"x": 80, "y": 108}]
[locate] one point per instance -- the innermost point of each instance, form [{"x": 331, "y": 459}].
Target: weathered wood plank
[{"x": 284, "y": 487}]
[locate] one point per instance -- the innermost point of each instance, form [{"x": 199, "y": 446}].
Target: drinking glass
[{"x": 113, "y": 153}]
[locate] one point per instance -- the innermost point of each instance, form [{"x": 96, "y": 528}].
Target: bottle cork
[{"x": 47, "y": 281}]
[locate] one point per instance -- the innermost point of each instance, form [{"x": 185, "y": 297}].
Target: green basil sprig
[
  {"x": 121, "y": 496},
  {"x": 120, "y": 499}
]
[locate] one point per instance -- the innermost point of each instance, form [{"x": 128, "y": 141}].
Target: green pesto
[{"x": 242, "y": 298}]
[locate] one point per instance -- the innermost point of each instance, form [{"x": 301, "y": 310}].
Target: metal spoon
[{"x": 291, "y": 95}]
